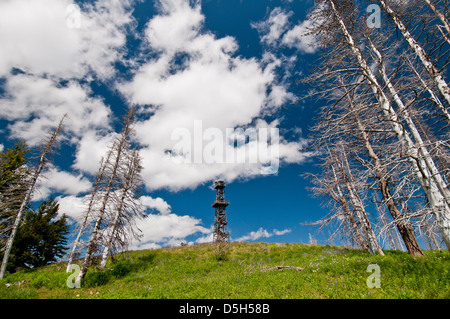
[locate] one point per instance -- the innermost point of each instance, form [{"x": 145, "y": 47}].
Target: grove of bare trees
[
  {"x": 113, "y": 205},
  {"x": 383, "y": 131}
]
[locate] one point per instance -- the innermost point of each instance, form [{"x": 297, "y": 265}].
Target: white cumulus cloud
[
  {"x": 167, "y": 229},
  {"x": 158, "y": 204},
  {"x": 277, "y": 31},
  {"x": 196, "y": 76},
  {"x": 51, "y": 50},
  {"x": 72, "y": 206},
  {"x": 58, "y": 38},
  {"x": 262, "y": 233},
  {"x": 299, "y": 38},
  {"x": 54, "y": 180},
  {"x": 34, "y": 105},
  {"x": 272, "y": 28}
]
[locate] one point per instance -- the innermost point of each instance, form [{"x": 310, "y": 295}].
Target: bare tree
[
  {"x": 43, "y": 161},
  {"x": 433, "y": 181},
  {"x": 442, "y": 18},
  {"x": 433, "y": 96},
  {"x": 339, "y": 183},
  {"x": 126, "y": 207},
  {"x": 389, "y": 233},
  {"x": 359, "y": 207},
  {"x": 420, "y": 52},
  {"x": 93, "y": 199},
  {"x": 429, "y": 231},
  {"x": 404, "y": 110},
  {"x": 112, "y": 177},
  {"x": 328, "y": 185},
  {"x": 379, "y": 170},
  {"x": 357, "y": 62}
]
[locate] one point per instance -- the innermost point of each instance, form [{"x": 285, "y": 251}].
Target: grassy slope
[{"x": 195, "y": 272}]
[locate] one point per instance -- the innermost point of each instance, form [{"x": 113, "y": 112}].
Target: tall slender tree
[
  {"x": 418, "y": 49},
  {"x": 43, "y": 161},
  {"x": 356, "y": 200},
  {"x": 328, "y": 185},
  {"x": 112, "y": 180},
  {"x": 93, "y": 199},
  {"x": 14, "y": 172},
  {"x": 126, "y": 206}
]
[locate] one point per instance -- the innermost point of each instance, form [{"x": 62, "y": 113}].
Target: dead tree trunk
[
  {"x": 433, "y": 95},
  {"x": 42, "y": 163},
  {"x": 126, "y": 206},
  {"x": 357, "y": 202},
  {"x": 111, "y": 175},
  {"x": 404, "y": 226},
  {"x": 348, "y": 213},
  {"x": 443, "y": 19},
  {"x": 420, "y": 52},
  {"x": 88, "y": 213}
]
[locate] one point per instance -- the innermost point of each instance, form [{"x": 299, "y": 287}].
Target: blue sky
[{"x": 228, "y": 63}]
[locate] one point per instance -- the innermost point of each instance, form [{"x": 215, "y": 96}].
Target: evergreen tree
[
  {"x": 40, "y": 239},
  {"x": 13, "y": 176},
  {"x": 30, "y": 183},
  {"x": 11, "y": 161}
]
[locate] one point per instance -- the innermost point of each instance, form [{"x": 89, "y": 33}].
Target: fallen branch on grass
[
  {"x": 18, "y": 283},
  {"x": 283, "y": 267}
]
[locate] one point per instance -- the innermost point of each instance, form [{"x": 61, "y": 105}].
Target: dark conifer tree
[{"x": 41, "y": 238}]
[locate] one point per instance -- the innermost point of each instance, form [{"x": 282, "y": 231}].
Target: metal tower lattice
[{"x": 220, "y": 219}]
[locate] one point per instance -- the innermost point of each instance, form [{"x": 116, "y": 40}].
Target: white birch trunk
[
  {"x": 442, "y": 18},
  {"x": 90, "y": 250},
  {"x": 93, "y": 239},
  {"x": 75, "y": 245},
  {"x": 438, "y": 193},
  {"x": 434, "y": 97},
  {"x": 113, "y": 228},
  {"x": 367, "y": 229},
  {"x": 110, "y": 239},
  {"x": 10, "y": 241},
  {"x": 347, "y": 210},
  {"x": 420, "y": 52},
  {"x": 404, "y": 227},
  {"x": 425, "y": 155}
]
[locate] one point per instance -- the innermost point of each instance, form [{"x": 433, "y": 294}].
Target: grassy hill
[{"x": 247, "y": 271}]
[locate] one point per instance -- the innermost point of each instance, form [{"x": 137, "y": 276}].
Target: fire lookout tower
[{"x": 220, "y": 220}]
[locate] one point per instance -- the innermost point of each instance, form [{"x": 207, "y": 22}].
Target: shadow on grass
[{"x": 118, "y": 269}]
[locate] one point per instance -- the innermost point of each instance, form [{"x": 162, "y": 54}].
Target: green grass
[{"x": 197, "y": 272}]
